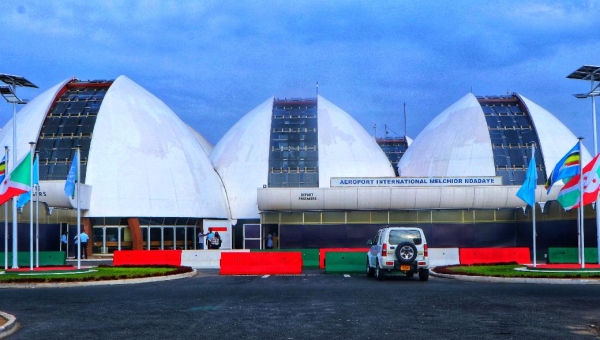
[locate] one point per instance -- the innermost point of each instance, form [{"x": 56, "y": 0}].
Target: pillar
[{"x": 137, "y": 243}]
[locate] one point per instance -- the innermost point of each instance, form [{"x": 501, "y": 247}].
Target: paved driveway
[{"x": 312, "y": 306}]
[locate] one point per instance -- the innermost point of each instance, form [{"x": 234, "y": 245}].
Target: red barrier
[
  {"x": 261, "y": 263},
  {"x": 323, "y": 251},
  {"x": 519, "y": 255},
  {"x": 147, "y": 257}
]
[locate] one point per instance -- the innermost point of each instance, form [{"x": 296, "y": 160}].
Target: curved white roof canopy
[
  {"x": 144, "y": 161},
  {"x": 457, "y": 142},
  {"x": 204, "y": 143},
  {"x": 241, "y": 157}
]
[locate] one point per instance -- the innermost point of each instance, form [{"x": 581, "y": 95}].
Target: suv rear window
[{"x": 399, "y": 236}]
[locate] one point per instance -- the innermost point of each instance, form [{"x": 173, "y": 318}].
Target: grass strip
[
  {"x": 101, "y": 273},
  {"x": 508, "y": 270}
]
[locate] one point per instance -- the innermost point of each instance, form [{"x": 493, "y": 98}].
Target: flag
[
  {"x": 3, "y": 168},
  {"x": 570, "y": 196},
  {"x": 565, "y": 169},
  {"x": 527, "y": 191},
  {"x": 25, "y": 197},
  {"x": 71, "y": 178},
  {"x": 17, "y": 181}
]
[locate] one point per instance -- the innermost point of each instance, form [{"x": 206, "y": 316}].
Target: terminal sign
[{"x": 415, "y": 181}]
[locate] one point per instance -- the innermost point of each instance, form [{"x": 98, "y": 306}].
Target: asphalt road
[{"x": 312, "y": 306}]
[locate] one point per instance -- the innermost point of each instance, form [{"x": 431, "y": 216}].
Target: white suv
[{"x": 399, "y": 249}]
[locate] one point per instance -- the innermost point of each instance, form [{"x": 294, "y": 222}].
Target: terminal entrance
[{"x": 107, "y": 239}]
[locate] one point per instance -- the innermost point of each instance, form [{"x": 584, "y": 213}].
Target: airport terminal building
[{"x": 301, "y": 169}]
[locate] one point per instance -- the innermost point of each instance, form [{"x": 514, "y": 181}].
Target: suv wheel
[
  {"x": 379, "y": 273},
  {"x": 406, "y": 252},
  {"x": 370, "y": 271},
  {"x": 423, "y": 274}
]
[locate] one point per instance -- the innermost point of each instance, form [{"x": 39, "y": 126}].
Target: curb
[
  {"x": 100, "y": 283},
  {"x": 10, "y": 326},
  {"x": 471, "y": 278}
]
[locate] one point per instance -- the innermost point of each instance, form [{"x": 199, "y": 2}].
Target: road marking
[
  {"x": 265, "y": 276},
  {"x": 346, "y": 275}
]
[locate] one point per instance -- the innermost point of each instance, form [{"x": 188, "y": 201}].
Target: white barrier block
[
  {"x": 443, "y": 257},
  {"x": 206, "y": 258}
]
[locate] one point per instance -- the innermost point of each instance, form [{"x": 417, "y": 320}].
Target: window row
[
  {"x": 286, "y": 115},
  {"x": 59, "y": 171},
  {"x": 290, "y": 130},
  {"x": 502, "y": 109},
  {"x": 294, "y": 180},
  {"x": 294, "y": 169},
  {"x": 295, "y": 138},
  {"x": 518, "y": 176}
]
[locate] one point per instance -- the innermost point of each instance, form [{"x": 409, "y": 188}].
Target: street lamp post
[
  {"x": 10, "y": 94},
  {"x": 592, "y": 74}
]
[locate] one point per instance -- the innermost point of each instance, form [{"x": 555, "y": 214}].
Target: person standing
[
  {"x": 63, "y": 243},
  {"x": 210, "y": 235},
  {"x": 216, "y": 241},
  {"x": 269, "y": 241},
  {"x": 201, "y": 235},
  {"x": 84, "y": 240}
]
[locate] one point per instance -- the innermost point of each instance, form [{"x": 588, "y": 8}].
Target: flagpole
[
  {"x": 533, "y": 210},
  {"x": 5, "y": 213},
  {"x": 37, "y": 211},
  {"x": 15, "y": 243},
  {"x": 78, "y": 212},
  {"x": 581, "y": 207},
  {"x": 31, "y": 251}
]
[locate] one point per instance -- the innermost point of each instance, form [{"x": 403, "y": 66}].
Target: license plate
[{"x": 404, "y": 267}]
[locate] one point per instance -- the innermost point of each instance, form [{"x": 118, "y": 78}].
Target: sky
[{"x": 212, "y": 62}]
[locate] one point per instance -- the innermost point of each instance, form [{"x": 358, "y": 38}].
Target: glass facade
[
  {"x": 294, "y": 154},
  {"x": 393, "y": 148},
  {"x": 69, "y": 123},
  {"x": 512, "y": 134},
  {"x": 162, "y": 233}
]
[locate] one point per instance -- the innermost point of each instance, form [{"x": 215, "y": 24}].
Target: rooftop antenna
[
  {"x": 317, "y": 89},
  {"x": 386, "y": 129},
  {"x": 404, "y": 120}
]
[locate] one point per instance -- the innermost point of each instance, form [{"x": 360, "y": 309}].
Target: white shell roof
[
  {"x": 204, "y": 143},
  {"x": 457, "y": 142},
  {"x": 143, "y": 160},
  {"x": 241, "y": 157}
]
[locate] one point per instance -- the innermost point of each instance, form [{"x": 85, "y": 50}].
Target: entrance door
[{"x": 252, "y": 236}]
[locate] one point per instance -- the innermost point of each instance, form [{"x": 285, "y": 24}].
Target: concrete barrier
[
  {"x": 206, "y": 259},
  {"x": 571, "y": 255},
  {"x": 323, "y": 253},
  {"x": 47, "y": 258},
  {"x": 261, "y": 263},
  {"x": 443, "y": 257},
  {"x": 310, "y": 256},
  {"x": 519, "y": 255},
  {"x": 346, "y": 262},
  {"x": 147, "y": 257}
]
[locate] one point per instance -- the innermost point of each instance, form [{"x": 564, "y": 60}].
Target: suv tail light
[
  {"x": 425, "y": 252},
  {"x": 384, "y": 250}
]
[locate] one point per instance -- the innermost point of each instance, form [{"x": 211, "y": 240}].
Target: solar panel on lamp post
[
  {"x": 591, "y": 73},
  {"x": 10, "y": 94}
]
